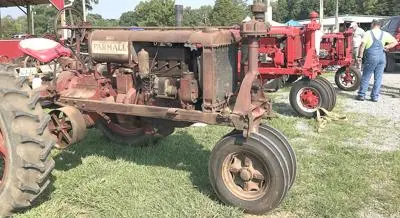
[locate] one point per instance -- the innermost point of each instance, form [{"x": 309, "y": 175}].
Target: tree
[
  {"x": 98, "y": 20},
  {"x": 44, "y": 19},
  {"x": 128, "y": 19},
  {"x": 228, "y": 12},
  {"x": 151, "y": 13},
  {"x": 197, "y": 17}
]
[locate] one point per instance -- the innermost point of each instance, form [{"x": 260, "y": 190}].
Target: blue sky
[{"x": 114, "y": 8}]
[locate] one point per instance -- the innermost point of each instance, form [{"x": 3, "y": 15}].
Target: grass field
[{"x": 343, "y": 172}]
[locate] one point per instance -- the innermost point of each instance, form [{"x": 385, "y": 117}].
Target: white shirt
[{"x": 358, "y": 36}]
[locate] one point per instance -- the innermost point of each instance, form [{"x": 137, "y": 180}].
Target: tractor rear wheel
[
  {"x": 306, "y": 96},
  {"x": 331, "y": 90},
  {"x": 348, "y": 81},
  {"x": 135, "y": 133},
  {"x": 251, "y": 173},
  {"x": 25, "y": 144}
]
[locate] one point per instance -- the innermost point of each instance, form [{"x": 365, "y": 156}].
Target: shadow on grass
[
  {"x": 385, "y": 90},
  {"x": 284, "y": 109},
  {"x": 179, "y": 151}
]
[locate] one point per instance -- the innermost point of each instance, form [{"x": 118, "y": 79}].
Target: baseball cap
[{"x": 353, "y": 24}]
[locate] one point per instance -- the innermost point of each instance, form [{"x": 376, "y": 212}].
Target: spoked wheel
[
  {"x": 348, "y": 79},
  {"x": 250, "y": 173},
  {"x": 68, "y": 125},
  {"x": 331, "y": 91},
  {"x": 135, "y": 132},
  {"x": 25, "y": 144},
  {"x": 69, "y": 17},
  {"x": 306, "y": 96}
]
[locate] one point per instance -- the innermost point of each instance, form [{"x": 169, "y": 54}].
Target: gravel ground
[{"x": 388, "y": 106}]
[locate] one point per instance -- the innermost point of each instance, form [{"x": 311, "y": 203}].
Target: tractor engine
[{"x": 168, "y": 68}]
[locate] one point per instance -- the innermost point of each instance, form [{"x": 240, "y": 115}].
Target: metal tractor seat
[{"x": 44, "y": 50}]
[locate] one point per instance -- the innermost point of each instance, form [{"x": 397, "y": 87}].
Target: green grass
[{"x": 336, "y": 176}]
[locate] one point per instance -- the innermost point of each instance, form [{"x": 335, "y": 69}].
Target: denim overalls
[{"x": 374, "y": 62}]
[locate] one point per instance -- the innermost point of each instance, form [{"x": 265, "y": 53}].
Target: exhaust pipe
[{"x": 179, "y": 15}]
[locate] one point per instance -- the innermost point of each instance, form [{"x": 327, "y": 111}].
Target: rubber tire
[
  {"x": 324, "y": 96},
  {"x": 331, "y": 89},
  {"x": 28, "y": 143},
  {"x": 390, "y": 63},
  {"x": 356, "y": 72},
  {"x": 280, "y": 140},
  {"x": 278, "y": 181}
]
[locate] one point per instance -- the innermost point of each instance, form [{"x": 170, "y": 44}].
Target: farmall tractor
[
  {"x": 155, "y": 81},
  {"x": 337, "y": 50},
  {"x": 289, "y": 52}
]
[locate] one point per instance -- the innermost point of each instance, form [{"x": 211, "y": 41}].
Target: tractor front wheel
[
  {"x": 250, "y": 173},
  {"x": 348, "y": 79},
  {"x": 306, "y": 96},
  {"x": 25, "y": 144}
]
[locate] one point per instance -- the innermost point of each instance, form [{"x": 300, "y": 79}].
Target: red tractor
[
  {"x": 337, "y": 50},
  {"x": 290, "y": 51},
  {"x": 154, "y": 81}
]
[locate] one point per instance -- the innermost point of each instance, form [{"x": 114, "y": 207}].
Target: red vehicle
[
  {"x": 337, "y": 50},
  {"x": 290, "y": 51}
]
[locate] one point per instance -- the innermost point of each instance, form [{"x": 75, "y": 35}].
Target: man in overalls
[{"x": 375, "y": 43}]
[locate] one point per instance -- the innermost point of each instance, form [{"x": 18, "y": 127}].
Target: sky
[{"x": 114, "y": 8}]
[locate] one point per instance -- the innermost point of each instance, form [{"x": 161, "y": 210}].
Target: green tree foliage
[
  {"x": 42, "y": 22},
  {"x": 128, "y": 19},
  {"x": 228, "y": 12},
  {"x": 98, "y": 20},
  {"x": 197, "y": 17},
  {"x": 150, "y": 13}
]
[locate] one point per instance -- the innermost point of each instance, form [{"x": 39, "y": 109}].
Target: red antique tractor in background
[
  {"x": 154, "y": 81},
  {"x": 337, "y": 50},
  {"x": 290, "y": 52}
]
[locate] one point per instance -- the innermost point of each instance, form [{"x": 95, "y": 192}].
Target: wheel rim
[
  {"x": 3, "y": 159},
  {"x": 308, "y": 99},
  {"x": 61, "y": 126},
  {"x": 347, "y": 79},
  {"x": 245, "y": 175}
]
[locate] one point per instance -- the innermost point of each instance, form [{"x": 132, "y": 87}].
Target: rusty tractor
[
  {"x": 337, "y": 50},
  {"x": 143, "y": 85}
]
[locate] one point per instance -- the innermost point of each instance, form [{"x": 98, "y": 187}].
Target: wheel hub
[
  {"x": 309, "y": 99},
  {"x": 245, "y": 174},
  {"x": 3, "y": 158},
  {"x": 347, "y": 78}
]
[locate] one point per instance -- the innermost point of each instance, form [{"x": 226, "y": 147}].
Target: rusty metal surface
[
  {"x": 176, "y": 114},
  {"x": 215, "y": 38},
  {"x": 68, "y": 125}
]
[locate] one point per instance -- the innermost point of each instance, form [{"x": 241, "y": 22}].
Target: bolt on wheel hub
[{"x": 309, "y": 98}]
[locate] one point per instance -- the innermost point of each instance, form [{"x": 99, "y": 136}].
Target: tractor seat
[{"x": 44, "y": 50}]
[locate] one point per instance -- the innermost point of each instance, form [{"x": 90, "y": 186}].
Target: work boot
[{"x": 360, "y": 98}]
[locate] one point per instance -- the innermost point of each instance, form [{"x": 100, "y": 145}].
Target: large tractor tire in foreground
[
  {"x": 25, "y": 144},
  {"x": 253, "y": 173}
]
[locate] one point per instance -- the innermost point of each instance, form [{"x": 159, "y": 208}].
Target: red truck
[{"x": 392, "y": 26}]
